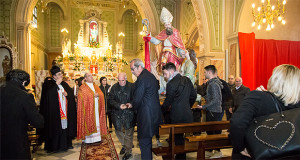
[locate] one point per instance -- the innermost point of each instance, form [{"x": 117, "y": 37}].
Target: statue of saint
[{"x": 170, "y": 40}]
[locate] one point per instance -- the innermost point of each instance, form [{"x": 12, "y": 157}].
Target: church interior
[{"x": 103, "y": 36}]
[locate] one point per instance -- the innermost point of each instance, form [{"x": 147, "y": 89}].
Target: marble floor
[{"x": 74, "y": 153}]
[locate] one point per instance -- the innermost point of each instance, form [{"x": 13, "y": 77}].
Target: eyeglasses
[{"x": 132, "y": 69}]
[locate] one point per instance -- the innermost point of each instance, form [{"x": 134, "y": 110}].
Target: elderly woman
[{"x": 284, "y": 84}]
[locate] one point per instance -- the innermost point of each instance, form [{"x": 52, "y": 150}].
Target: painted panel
[
  {"x": 219, "y": 63},
  {"x": 232, "y": 59}
]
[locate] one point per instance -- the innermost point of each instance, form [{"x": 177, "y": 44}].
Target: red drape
[
  {"x": 271, "y": 53},
  {"x": 260, "y": 56},
  {"x": 147, "y": 53},
  {"x": 246, "y": 43}
]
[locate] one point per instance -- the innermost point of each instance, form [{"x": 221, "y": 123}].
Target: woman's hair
[
  {"x": 193, "y": 57},
  {"x": 285, "y": 83},
  {"x": 80, "y": 79},
  {"x": 19, "y": 76},
  {"x": 102, "y": 79}
]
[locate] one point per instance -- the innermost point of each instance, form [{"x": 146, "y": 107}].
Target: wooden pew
[
  {"x": 191, "y": 145},
  {"x": 205, "y": 142},
  {"x": 33, "y": 138}
]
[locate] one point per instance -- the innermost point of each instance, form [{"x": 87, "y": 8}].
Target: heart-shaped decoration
[{"x": 273, "y": 129}]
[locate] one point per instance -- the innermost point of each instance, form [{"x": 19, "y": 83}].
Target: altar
[{"x": 92, "y": 52}]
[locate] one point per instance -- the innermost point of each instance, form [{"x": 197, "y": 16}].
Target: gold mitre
[{"x": 165, "y": 16}]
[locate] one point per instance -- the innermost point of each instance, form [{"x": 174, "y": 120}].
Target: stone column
[{"x": 23, "y": 42}]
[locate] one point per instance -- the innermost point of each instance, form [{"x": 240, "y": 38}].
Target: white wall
[{"x": 289, "y": 31}]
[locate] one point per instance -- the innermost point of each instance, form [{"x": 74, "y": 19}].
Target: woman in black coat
[
  {"x": 284, "y": 84},
  {"x": 18, "y": 109},
  {"x": 104, "y": 88}
]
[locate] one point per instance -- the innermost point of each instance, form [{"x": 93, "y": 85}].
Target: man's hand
[
  {"x": 123, "y": 106},
  {"x": 261, "y": 88},
  {"x": 128, "y": 105},
  {"x": 245, "y": 153},
  {"x": 58, "y": 81},
  {"x": 96, "y": 95},
  {"x": 230, "y": 110},
  {"x": 200, "y": 107},
  {"x": 65, "y": 93}
]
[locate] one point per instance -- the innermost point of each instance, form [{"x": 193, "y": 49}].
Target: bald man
[
  {"x": 238, "y": 93},
  {"x": 120, "y": 98}
]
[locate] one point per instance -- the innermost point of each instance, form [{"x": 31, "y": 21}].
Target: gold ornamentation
[{"x": 267, "y": 13}]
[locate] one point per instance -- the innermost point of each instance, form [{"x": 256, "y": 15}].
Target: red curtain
[
  {"x": 271, "y": 53},
  {"x": 260, "y": 56},
  {"x": 247, "y": 43}
]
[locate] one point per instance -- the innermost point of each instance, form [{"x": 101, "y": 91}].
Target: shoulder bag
[{"x": 275, "y": 135}]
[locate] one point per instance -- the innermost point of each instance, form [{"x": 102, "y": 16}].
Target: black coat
[
  {"x": 106, "y": 97},
  {"x": 18, "y": 109},
  {"x": 238, "y": 96},
  {"x": 51, "y": 112},
  {"x": 146, "y": 103},
  {"x": 226, "y": 93},
  {"x": 180, "y": 96},
  {"x": 122, "y": 95},
  {"x": 255, "y": 104}
]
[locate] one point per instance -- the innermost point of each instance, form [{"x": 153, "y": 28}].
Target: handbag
[{"x": 275, "y": 135}]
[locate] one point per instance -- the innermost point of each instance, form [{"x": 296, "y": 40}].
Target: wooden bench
[
  {"x": 192, "y": 145},
  {"x": 33, "y": 138},
  {"x": 33, "y": 141},
  {"x": 205, "y": 142}
]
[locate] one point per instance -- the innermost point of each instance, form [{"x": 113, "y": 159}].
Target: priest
[
  {"x": 59, "y": 110},
  {"x": 91, "y": 123}
]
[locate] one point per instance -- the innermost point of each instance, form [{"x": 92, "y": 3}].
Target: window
[
  {"x": 129, "y": 27},
  {"x": 34, "y": 17}
]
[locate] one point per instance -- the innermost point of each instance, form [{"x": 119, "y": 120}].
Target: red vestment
[
  {"x": 86, "y": 121},
  {"x": 171, "y": 55}
]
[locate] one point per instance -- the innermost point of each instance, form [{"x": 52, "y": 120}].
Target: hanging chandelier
[{"x": 267, "y": 13}]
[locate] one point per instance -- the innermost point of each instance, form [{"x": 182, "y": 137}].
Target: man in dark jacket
[
  {"x": 146, "y": 104},
  {"x": 120, "y": 99},
  {"x": 213, "y": 101},
  {"x": 180, "y": 97},
  {"x": 59, "y": 110},
  {"x": 238, "y": 93},
  {"x": 18, "y": 109}
]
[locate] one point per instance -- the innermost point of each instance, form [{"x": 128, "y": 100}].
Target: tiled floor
[{"x": 74, "y": 153}]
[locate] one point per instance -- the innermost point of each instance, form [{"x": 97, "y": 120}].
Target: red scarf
[{"x": 62, "y": 114}]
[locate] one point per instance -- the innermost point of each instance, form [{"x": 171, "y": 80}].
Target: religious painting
[
  {"x": 6, "y": 63},
  {"x": 219, "y": 63},
  {"x": 94, "y": 34},
  {"x": 232, "y": 59}
]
